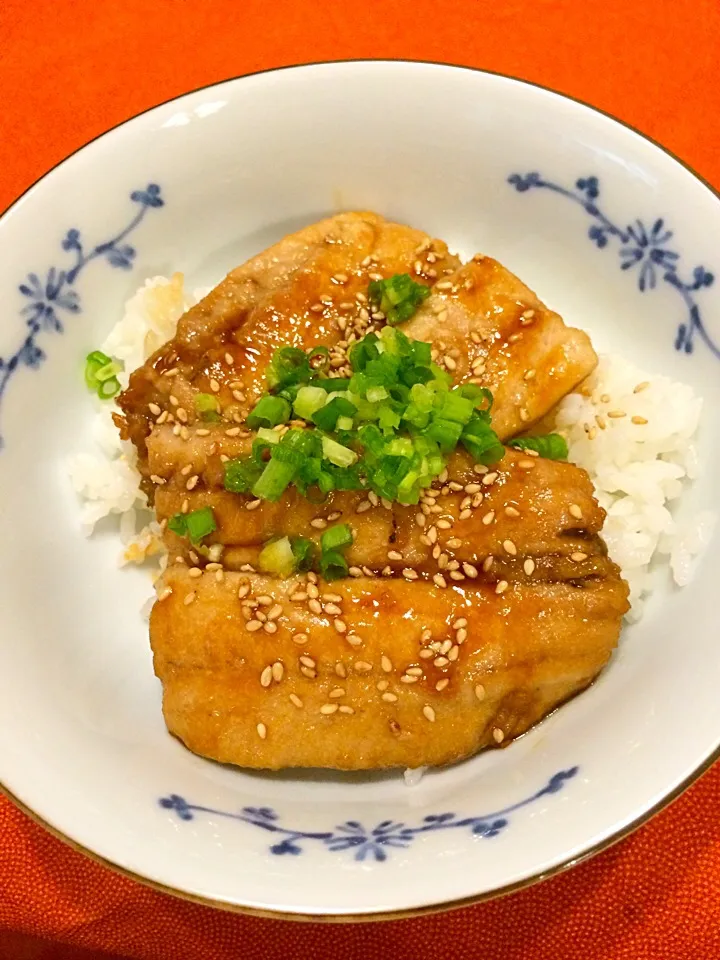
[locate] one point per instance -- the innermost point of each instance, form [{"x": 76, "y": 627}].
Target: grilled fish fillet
[
  {"x": 465, "y": 618},
  {"x": 404, "y": 675}
]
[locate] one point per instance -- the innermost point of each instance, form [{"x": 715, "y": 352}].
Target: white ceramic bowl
[{"x": 548, "y": 186}]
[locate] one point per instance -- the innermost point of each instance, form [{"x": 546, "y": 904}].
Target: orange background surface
[{"x": 70, "y": 69}]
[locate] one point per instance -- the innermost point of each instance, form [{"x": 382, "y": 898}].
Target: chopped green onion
[
  {"x": 333, "y": 565},
  {"x": 398, "y": 296},
  {"x": 207, "y": 407},
  {"x": 337, "y": 537},
  {"x": 274, "y": 479},
  {"x": 100, "y": 374},
  {"x": 268, "y": 435},
  {"x": 277, "y": 558},
  {"x": 178, "y": 524},
  {"x": 269, "y": 412},
  {"x": 308, "y": 400},
  {"x": 338, "y": 454},
  {"x": 288, "y": 366},
  {"x": 200, "y": 523},
  {"x": 552, "y": 446},
  {"x": 195, "y": 525},
  {"x": 303, "y": 551},
  {"x": 344, "y": 423},
  {"x": 241, "y": 474},
  {"x": 326, "y": 417}
]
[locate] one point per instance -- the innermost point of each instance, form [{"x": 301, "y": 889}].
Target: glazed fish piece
[
  {"x": 387, "y": 674},
  {"x": 487, "y": 327},
  {"x": 523, "y": 509},
  {"x": 307, "y": 290}
]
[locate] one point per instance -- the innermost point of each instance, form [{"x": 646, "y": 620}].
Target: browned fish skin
[
  {"x": 465, "y": 619},
  {"x": 547, "y": 513},
  {"x": 366, "y": 687},
  {"x": 308, "y": 289},
  {"x": 488, "y": 328}
]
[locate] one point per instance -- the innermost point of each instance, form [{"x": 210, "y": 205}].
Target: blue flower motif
[
  {"x": 647, "y": 251},
  {"x": 589, "y": 186},
  {"x": 117, "y": 256},
  {"x": 365, "y": 844},
  {"x": 642, "y": 247},
  {"x": 369, "y": 843},
  {"x": 50, "y": 297},
  {"x": 149, "y": 197},
  {"x": 72, "y": 240},
  {"x": 523, "y": 183},
  {"x": 178, "y": 804},
  {"x": 46, "y": 298},
  {"x": 598, "y": 235}
]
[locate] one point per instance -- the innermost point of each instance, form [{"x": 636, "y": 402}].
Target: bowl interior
[{"x": 82, "y": 741}]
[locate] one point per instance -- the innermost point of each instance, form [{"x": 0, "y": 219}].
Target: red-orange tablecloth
[{"x": 69, "y": 69}]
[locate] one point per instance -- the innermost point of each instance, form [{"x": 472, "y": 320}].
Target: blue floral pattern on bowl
[
  {"x": 641, "y": 247},
  {"x": 373, "y": 843},
  {"x": 52, "y": 297}
]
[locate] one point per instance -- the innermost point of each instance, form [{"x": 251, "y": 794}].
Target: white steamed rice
[{"x": 639, "y": 469}]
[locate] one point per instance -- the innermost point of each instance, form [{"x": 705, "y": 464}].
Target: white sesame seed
[
  {"x": 616, "y": 414},
  {"x": 353, "y": 639},
  {"x": 332, "y": 609},
  {"x": 299, "y": 638},
  {"x": 154, "y": 409},
  {"x": 498, "y": 735},
  {"x": 296, "y": 701},
  {"x": 469, "y": 570},
  {"x": 578, "y": 557},
  {"x": 489, "y": 478},
  {"x": 386, "y": 664},
  {"x": 526, "y": 464},
  {"x": 453, "y": 653},
  {"x": 441, "y": 684},
  {"x": 308, "y": 672},
  {"x": 389, "y": 698},
  {"x": 215, "y": 386},
  {"x": 266, "y": 677},
  {"x": 488, "y": 518},
  {"x": 439, "y": 580},
  {"x": 270, "y": 627},
  {"x": 277, "y": 671},
  {"x": 336, "y": 693},
  {"x": 164, "y": 594},
  {"x": 461, "y": 635},
  {"x": 318, "y": 523},
  {"x": 314, "y": 606},
  {"x": 261, "y": 730},
  {"x": 529, "y": 566},
  {"x": 189, "y": 597},
  {"x": 509, "y": 547},
  {"x": 414, "y": 671},
  {"x": 274, "y": 611},
  {"x": 429, "y": 713},
  {"x": 501, "y": 586},
  {"x": 639, "y": 420},
  {"x": 362, "y": 667},
  {"x": 253, "y": 625}
]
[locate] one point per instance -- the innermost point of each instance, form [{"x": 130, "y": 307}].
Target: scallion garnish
[
  {"x": 269, "y": 412},
  {"x": 277, "y": 558},
  {"x": 552, "y": 446},
  {"x": 207, "y": 407},
  {"x": 337, "y": 537},
  {"x": 101, "y": 374},
  {"x": 389, "y": 428},
  {"x": 398, "y": 296},
  {"x": 195, "y": 525}
]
